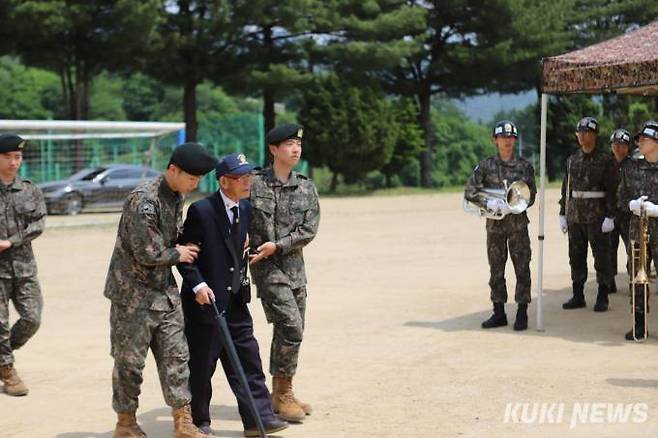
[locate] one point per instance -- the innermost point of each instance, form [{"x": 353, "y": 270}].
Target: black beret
[
  {"x": 284, "y": 132},
  {"x": 193, "y": 159},
  {"x": 11, "y": 143}
]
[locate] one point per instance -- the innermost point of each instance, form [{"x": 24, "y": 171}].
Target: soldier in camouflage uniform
[
  {"x": 23, "y": 218},
  {"x": 620, "y": 142},
  {"x": 286, "y": 215},
  {"x": 511, "y": 231},
  {"x": 587, "y": 212},
  {"x": 639, "y": 185},
  {"x": 146, "y": 308}
]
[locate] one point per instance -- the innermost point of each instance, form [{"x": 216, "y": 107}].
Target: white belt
[{"x": 587, "y": 195}]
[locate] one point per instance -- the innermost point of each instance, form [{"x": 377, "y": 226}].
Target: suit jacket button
[
  {"x": 229, "y": 288},
  {"x": 231, "y": 269}
]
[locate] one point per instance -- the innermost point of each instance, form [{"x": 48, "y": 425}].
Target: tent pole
[{"x": 540, "y": 236}]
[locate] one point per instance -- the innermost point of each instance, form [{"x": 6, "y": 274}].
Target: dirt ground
[{"x": 393, "y": 346}]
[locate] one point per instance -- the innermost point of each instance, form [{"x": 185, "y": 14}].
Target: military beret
[
  {"x": 193, "y": 159},
  {"x": 284, "y": 132},
  {"x": 650, "y": 129},
  {"x": 588, "y": 124},
  {"x": 11, "y": 143},
  {"x": 505, "y": 128},
  {"x": 233, "y": 164}
]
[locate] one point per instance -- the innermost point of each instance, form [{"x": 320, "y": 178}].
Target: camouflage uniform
[
  {"x": 23, "y": 213},
  {"x": 287, "y": 214},
  {"x": 622, "y": 219},
  {"x": 591, "y": 172},
  {"x": 639, "y": 177},
  {"x": 146, "y": 308},
  {"x": 511, "y": 231}
]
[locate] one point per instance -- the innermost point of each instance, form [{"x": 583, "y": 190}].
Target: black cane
[{"x": 237, "y": 366}]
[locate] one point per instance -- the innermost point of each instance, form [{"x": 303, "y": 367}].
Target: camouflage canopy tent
[{"x": 627, "y": 64}]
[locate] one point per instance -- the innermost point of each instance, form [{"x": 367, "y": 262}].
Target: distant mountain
[{"x": 483, "y": 108}]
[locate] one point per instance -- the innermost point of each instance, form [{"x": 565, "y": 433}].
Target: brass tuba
[
  {"x": 639, "y": 261},
  {"x": 516, "y": 196}
]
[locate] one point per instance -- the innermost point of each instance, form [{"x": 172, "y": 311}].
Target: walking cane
[{"x": 237, "y": 366}]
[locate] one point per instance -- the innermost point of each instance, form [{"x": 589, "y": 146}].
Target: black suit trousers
[{"x": 206, "y": 347}]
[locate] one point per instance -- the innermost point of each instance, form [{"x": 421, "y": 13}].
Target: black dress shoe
[{"x": 271, "y": 426}]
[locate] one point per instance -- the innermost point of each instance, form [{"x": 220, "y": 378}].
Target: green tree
[
  {"x": 408, "y": 142},
  {"x": 192, "y": 44},
  {"x": 465, "y": 51},
  {"x": 27, "y": 93},
  {"x": 78, "y": 39},
  {"x": 461, "y": 144},
  {"x": 349, "y": 129}
]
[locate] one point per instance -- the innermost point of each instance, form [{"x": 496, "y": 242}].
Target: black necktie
[{"x": 235, "y": 232}]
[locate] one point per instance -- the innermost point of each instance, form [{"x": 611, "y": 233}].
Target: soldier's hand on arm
[
  {"x": 264, "y": 251},
  {"x": 4, "y": 245},
  {"x": 204, "y": 295},
  {"x": 188, "y": 252}
]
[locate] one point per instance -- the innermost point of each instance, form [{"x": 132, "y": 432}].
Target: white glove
[
  {"x": 651, "y": 208},
  {"x": 608, "y": 225},
  {"x": 635, "y": 204},
  {"x": 495, "y": 205},
  {"x": 563, "y": 224}
]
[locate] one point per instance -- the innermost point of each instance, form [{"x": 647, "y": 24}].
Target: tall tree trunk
[
  {"x": 334, "y": 182},
  {"x": 268, "y": 97},
  {"x": 189, "y": 110},
  {"x": 268, "y": 117},
  {"x": 424, "y": 101},
  {"x": 80, "y": 109}
]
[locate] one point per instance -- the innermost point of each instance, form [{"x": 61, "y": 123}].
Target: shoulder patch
[{"x": 146, "y": 208}]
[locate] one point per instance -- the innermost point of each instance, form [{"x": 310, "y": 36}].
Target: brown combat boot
[
  {"x": 283, "y": 400},
  {"x": 14, "y": 386},
  {"x": 183, "y": 425},
  {"x": 127, "y": 426}
]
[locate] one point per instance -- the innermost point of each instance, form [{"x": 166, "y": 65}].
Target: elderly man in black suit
[{"x": 218, "y": 225}]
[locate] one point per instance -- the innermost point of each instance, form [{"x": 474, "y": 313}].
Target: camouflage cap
[
  {"x": 620, "y": 136},
  {"x": 11, "y": 143},
  {"x": 649, "y": 129},
  {"x": 505, "y": 128},
  {"x": 588, "y": 124}
]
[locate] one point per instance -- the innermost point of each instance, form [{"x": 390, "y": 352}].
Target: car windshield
[{"x": 87, "y": 174}]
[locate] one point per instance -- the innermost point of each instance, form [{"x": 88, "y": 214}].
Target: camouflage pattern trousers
[
  {"x": 518, "y": 243},
  {"x": 132, "y": 332},
  {"x": 579, "y": 236},
  {"x": 25, "y": 294},
  {"x": 285, "y": 308}
]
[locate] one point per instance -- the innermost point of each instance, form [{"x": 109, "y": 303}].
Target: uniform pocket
[{"x": 263, "y": 203}]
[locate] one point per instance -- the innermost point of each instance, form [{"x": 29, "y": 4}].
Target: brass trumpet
[
  {"x": 641, "y": 279},
  {"x": 516, "y": 196}
]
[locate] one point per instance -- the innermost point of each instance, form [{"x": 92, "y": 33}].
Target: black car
[{"x": 95, "y": 189}]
